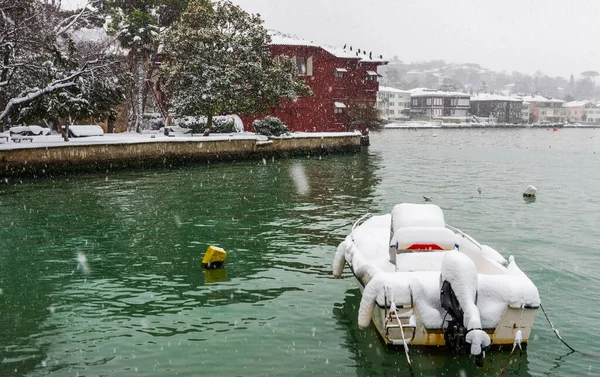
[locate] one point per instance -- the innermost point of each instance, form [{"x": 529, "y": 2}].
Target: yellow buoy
[{"x": 214, "y": 257}]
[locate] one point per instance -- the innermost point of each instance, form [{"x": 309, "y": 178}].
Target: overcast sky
[
  {"x": 555, "y": 37},
  {"x": 558, "y": 38}
]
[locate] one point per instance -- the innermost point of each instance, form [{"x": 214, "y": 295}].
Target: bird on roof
[
  {"x": 380, "y": 56},
  {"x": 427, "y": 198},
  {"x": 357, "y": 54},
  {"x": 364, "y": 53},
  {"x": 350, "y": 48},
  {"x": 344, "y": 46},
  {"x": 370, "y": 55},
  {"x": 359, "y": 50}
]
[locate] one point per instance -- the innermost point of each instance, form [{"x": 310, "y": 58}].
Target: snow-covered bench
[
  {"x": 18, "y": 138},
  {"x": 85, "y": 130}
]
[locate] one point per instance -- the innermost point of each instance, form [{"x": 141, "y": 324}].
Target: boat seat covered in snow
[
  {"x": 420, "y": 215},
  {"x": 419, "y": 227},
  {"x": 423, "y": 238}
]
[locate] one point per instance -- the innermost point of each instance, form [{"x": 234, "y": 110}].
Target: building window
[
  {"x": 392, "y": 112},
  {"x": 338, "y": 107},
  {"x": 428, "y": 102},
  {"x": 464, "y": 102},
  {"x": 371, "y": 76},
  {"x": 339, "y": 72},
  {"x": 392, "y": 104},
  {"x": 303, "y": 66},
  {"x": 415, "y": 102},
  {"x": 437, "y": 102}
]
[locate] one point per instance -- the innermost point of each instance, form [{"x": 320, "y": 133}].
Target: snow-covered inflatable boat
[{"x": 426, "y": 283}]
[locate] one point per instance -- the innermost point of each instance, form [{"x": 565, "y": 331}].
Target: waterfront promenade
[{"x": 49, "y": 154}]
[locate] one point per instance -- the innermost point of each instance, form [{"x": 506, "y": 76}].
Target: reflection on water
[
  {"x": 214, "y": 276},
  {"x": 119, "y": 256},
  {"x": 370, "y": 352}
]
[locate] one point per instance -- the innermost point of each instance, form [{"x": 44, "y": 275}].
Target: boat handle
[{"x": 357, "y": 223}]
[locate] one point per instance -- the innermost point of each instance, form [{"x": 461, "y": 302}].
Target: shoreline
[
  {"x": 50, "y": 155},
  {"x": 430, "y": 125}
]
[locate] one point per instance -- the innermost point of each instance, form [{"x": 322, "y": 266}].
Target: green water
[{"x": 100, "y": 275}]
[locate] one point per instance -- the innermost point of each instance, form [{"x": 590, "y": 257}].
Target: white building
[
  {"x": 582, "y": 111},
  {"x": 393, "y": 103},
  {"x": 545, "y": 110},
  {"x": 525, "y": 112}
]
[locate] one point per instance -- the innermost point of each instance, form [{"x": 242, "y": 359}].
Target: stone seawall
[{"x": 32, "y": 160}]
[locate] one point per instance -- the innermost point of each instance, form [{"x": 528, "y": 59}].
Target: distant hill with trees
[{"x": 473, "y": 78}]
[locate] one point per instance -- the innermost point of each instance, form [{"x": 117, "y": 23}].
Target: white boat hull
[{"x": 402, "y": 299}]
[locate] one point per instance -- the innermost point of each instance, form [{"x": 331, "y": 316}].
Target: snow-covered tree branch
[
  {"x": 217, "y": 61},
  {"x": 47, "y": 75}
]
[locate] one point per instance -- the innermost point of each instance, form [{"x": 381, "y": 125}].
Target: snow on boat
[{"x": 426, "y": 283}]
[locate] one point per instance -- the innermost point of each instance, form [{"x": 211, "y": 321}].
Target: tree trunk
[
  {"x": 139, "y": 113},
  {"x": 209, "y": 121},
  {"x": 110, "y": 125},
  {"x": 63, "y": 129}
]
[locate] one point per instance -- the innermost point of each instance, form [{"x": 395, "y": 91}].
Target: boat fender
[
  {"x": 340, "y": 259},
  {"x": 367, "y": 303}
]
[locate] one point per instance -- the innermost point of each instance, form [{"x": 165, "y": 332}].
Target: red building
[{"x": 339, "y": 79}]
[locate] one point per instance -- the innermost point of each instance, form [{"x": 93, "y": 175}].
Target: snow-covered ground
[{"x": 56, "y": 140}]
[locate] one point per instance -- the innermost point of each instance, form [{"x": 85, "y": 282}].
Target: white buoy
[{"x": 529, "y": 191}]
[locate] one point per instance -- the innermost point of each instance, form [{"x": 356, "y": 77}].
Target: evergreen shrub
[{"x": 270, "y": 126}]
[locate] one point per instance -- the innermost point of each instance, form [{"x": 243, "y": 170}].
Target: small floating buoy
[
  {"x": 214, "y": 257},
  {"x": 529, "y": 192}
]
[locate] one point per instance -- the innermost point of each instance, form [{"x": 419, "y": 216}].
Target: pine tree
[{"x": 217, "y": 61}]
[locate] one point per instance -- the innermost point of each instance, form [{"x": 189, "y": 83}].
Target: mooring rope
[
  {"x": 557, "y": 335},
  {"x": 505, "y": 363},
  {"x": 562, "y": 340},
  {"x": 395, "y": 310}
]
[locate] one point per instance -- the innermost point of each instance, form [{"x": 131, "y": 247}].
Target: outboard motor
[{"x": 455, "y": 334}]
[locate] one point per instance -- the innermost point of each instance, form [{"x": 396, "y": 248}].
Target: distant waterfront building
[
  {"x": 503, "y": 109},
  {"x": 545, "y": 110},
  {"x": 435, "y": 103},
  {"x": 582, "y": 111},
  {"x": 525, "y": 113},
  {"x": 339, "y": 79},
  {"x": 394, "y": 104}
]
